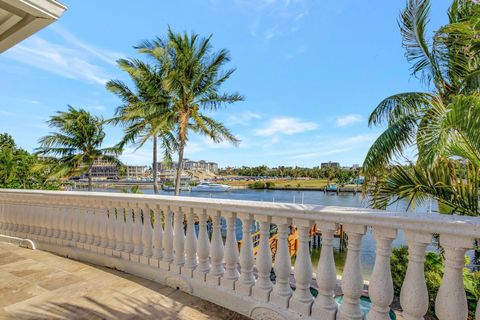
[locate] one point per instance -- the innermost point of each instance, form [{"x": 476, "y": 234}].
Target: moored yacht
[{"x": 211, "y": 187}]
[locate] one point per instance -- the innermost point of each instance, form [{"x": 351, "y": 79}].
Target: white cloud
[
  {"x": 4, "y": 113},
  {"x": 193, "y": 147},
  {"x": 78, "y": 62},
  {"x": 286, "y": 15},
  {"x": 300, "y": 50},
  {"x": 285, "y": 125},
  {"x": 355, "y": 140},
  {"x": 344, "y": 121},
  {"x": 296, "y": 9},
  {"x": 243, "y": 118},
  {"x": 271, "y": 32},
  {"x": 134, "y": 156},
  {"x": 105, "y": 55}
]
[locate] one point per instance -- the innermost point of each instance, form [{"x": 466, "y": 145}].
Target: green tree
[
  {"x": 195, "y": 75},
  {"x": 442, "y": 125},
  {"x": 20, "y": 169},
  {"x": 144, "y": 113},
  {"x": 449, "y": 62},
  {"x": 77, "y": 143}
]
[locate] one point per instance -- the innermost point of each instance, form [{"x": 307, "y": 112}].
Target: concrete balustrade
[{"x": 157, "y": 237}]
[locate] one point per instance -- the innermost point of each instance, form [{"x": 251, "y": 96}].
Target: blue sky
[{"x": 311, "y": 72}]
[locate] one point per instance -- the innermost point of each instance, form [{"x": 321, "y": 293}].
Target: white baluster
[
  {"x": 49, "y": 222},
  {"x": 21, "y": 220},
  {"x": 75, "y": 226},
  {"x": 81, "y": 224},
  {"x": 56, "y": 224},
  {"x": 110, "y": 231},
  {"x": 231, "y": 253},
  {"x": 203, "y": 250},
  {"x": 352, "y": 279},
  {"x": 178, "y": 239},
  {"x": 451, "y": 301},
  {"x": 147, "y": 235},
  {"x": 89, "y": 228},
  {"x": 380, "y": 289},
  {"x": 414, "y": 294},
  {"x": 97, "y": 227},
  {"x": 30, "y": 220},
  {"x": 282, "y": 291},
  {"x": 20, "y": 215},
  {"x": 190, "y": 245},
  {"x": 104, "y": 222},
  {"x": 13, "y": 219},
  {"x": 45, "y": 222},
  {"x": 97, "y": 220},
  {"x": 137, "y": 235},
  {"x": 217, "y": 269},
  {"x": 263, "y": 285},
  {"x": 302, "y": 298},
  {"x": 325, "y": 307},
  {"x": 2, "y": 215},
  {"x": 247, "y": 280},
  {"x": 63, "y": 224},
  {"x": 167, "y": 240},
  {"x": 120, "y": 230},
  {"x": 128, "y": 234},
  {"x": 477, "y": 312},
  {"x": 69, "y": 215},
  {"x": 157, "y": 235}
]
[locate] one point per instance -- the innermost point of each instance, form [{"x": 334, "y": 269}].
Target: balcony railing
[{"x": 155, "y": 237}]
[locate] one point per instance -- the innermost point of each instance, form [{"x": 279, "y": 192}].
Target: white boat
[
  {"x": 172, "y": 188},
  {"x": 211, "y": 187}
]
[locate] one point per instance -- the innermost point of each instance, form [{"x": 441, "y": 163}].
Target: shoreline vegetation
[{"x": 267, "y": 184}]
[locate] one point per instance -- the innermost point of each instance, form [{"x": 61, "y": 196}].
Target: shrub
[
  {"x": 269, "y": 184},
  {"x": 257, "y": 185},
  {"x": 433, "y": 278}
]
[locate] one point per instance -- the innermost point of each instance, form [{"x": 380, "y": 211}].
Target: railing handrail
[{"x": 463, "y": 226}]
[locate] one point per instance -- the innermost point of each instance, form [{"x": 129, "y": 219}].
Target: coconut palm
[
  {"x": 454, "y": 178},
  {"x": 77, "y": 142},
  {"x": 195, "y": 75},
  {"x": 144, "y": 109},
  {"x": 449, "y": 62}
]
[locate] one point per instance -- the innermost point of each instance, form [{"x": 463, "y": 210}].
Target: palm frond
[
  {"x": 391, "y": 143},
  {"x": 398, "y": 106},
  {"x": 413, "y": 22}
]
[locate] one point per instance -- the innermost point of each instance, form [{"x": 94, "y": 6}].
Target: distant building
[
  {"x": 188, "y": 164},
  {"x": 330, "y": 164},
  {"x": 135, "y": 172},
  {"x": 355, "y": 166},
  {"x": 103, "y": 169}
]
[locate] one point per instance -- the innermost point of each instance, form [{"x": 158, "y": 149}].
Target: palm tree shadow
[{"x": 125, "y": 307}]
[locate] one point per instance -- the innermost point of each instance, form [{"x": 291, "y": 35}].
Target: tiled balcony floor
[{"x": 40, "y": 285}]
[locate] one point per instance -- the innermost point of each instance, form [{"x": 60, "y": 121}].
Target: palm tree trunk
[
  {"x": 178, "y": 179},
  {"x": 155, "y": 165},
  {"x": 90, "y": 186}
]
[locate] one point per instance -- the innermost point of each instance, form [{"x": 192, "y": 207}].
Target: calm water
[{"x": 367, "y": 252}]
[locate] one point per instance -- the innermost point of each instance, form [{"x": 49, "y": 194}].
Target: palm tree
[
  {"x": 454, "y": 179},
  {"x": 143, "y": 112},
  {"x": 449, "y": 62},
  {"x": 195, "y": 76},
  {"x": 442, "y": 125},
  {"x": 77, "y": 142}
]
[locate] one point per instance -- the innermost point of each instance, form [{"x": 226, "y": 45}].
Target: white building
[
  {"x": 188, "y": 164},
  {"x": 135, "y": 172}
]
